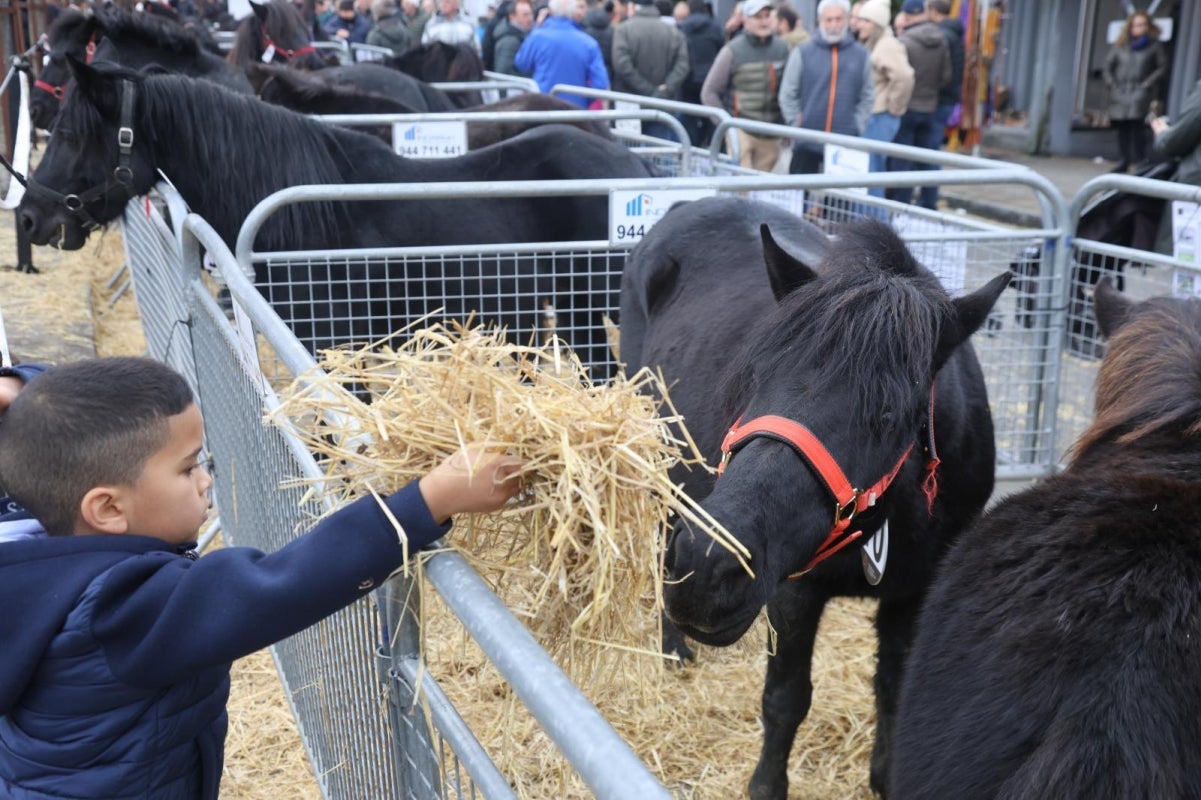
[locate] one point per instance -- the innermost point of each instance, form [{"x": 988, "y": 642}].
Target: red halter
[
  {"x": 283, "y": 51},
  {"x": 59, "y": 92},
  {"x": 848, "y": 501}
]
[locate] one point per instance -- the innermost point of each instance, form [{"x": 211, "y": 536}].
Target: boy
[{"x": 117, "y": 643}]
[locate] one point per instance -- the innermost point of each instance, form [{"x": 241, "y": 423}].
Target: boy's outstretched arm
[{"x": 162, "y": 618}]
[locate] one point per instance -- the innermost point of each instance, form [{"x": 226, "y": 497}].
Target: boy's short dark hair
[{"x": 83, "y": 425}]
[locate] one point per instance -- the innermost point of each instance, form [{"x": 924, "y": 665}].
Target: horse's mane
[
  {"x": 152, "y": 30},
  {"x": 68, "y": 25},
  {"x": 1150, "y": 379},
  {"x": 203, "y": 124},
  {"x": 872, "y": 315}
]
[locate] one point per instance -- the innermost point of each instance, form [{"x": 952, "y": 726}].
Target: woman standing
[{"x": 1134, "y": 69}]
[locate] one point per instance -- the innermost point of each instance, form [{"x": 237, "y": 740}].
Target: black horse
[
  {"x": 116, "y": 36},
  {"x": 306, "y": 93},
  {"x": 1057, "y": 651},
  {"x": 821, "y": 375},
  {"x": 276, "y": 33},
  {"x": 225, "y": 152}
]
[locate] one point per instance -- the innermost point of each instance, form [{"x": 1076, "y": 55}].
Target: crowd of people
[{"x": 862, "y": 72}]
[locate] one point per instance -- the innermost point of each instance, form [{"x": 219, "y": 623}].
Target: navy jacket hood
[{"x": 40, "y": 582}]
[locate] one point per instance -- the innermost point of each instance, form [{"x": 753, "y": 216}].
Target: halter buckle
[
  {"x": 73, "y": 202},
  {"x": 125, "y": 137},
  {"x": 843, "y": 514},
  {"x": 123, "y": 175}
]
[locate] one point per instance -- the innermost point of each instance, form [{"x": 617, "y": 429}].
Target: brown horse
[{"x": 1057, "y": 651}]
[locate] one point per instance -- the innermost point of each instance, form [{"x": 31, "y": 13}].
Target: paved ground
[{"x": 1019, "y": 205}]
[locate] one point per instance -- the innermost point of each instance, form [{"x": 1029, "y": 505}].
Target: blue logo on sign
[
  {"x": 411, "y": 133},
  {"x": 642, "y": 204}
]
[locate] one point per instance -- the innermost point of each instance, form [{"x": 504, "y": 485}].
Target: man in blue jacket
[
  {"x": 559, "y": 51},
  {"x": 117, "y": 642}
]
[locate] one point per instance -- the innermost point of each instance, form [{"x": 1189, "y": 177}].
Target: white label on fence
[
  {"x": 430, "y": 139},
  {"x": 633, "y": 213},
  {"x": 947, "y": 258},
  {"x": 631, "y": 125},
  {"x": 791, "y": 200},
  {"x": 841, "y": 160},
  {"x": 1186, "y": 230},
  {"x": 247, "y": 344}
]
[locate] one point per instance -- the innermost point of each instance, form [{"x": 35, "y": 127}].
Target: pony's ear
[
  {"x": 1111, "y": 307},
  {"x": 970, "y": 312},
  {"x": 784, "y": 272},
  {"x": 99, "y": 89},
  {"x": 260, "y": 11}
]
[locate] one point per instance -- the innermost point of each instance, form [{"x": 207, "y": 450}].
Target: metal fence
[
  {"x": 1018, "y": 350},
  {"x": 374, "y": 723}
]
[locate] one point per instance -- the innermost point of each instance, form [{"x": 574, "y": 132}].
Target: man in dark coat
[
  {"x": 930, "y": 58},
  {"x": 650, "y": 59},
  {"x": 704, "y": 38},
  {"x": 951, "y": 94}
]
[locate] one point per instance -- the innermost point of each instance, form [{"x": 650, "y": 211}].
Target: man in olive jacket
[{"x": 650, "y": 59}]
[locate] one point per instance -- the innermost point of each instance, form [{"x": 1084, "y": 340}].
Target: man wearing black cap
[{"x": 930, "y": 58}]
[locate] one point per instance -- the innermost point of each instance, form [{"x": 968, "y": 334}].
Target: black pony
[
  {"x": 116, "y": 36},
  {"x": 277, "y": 33},
  {"x": 821, "y": 375},
  {"x": 225, "y": 152},
  {"x": 1057, "y": 651},
  {"x": 306, "y": 93}
]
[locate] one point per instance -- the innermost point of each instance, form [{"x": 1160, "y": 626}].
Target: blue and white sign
[
  {"x": 633, "y": 213},
  {"x": 430, "y": 139},
  {"x": 841, "y": 160}
]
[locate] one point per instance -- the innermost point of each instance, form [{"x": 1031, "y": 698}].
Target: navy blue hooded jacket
[{"x": 117, "y": 649}]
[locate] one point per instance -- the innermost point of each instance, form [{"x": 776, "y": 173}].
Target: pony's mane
[
  {"x": 1150, "y": 379},
  {"x": 151, "y": 30},
  {"x": 249, "y": 36},
  {"x": 204, "y": 124},
  {"x": 872, "y": 316},
  {"x": 69, "y": 25}
]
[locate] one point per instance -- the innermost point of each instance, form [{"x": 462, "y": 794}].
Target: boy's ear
[{"x": 103, "y": 510}]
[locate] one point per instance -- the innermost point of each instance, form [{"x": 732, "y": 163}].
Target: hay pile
[
  {"x": 579, "y": 558},
  {"x": 579, "y": 561}
]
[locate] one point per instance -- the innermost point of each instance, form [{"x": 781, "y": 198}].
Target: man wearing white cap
[
  {"x": 827, "y": 84},
  {"x": 892, "y": 76},
  {"x": 745, "y": 80}
]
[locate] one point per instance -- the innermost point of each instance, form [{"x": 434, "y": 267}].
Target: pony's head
[
  {"x": 94, "y": 162},
  {"x": 275, "y": 33},
  {"x": 72, "y": 34},
  {"x": 830, "y": 394},
  {"x": 1149, "y": 383}
]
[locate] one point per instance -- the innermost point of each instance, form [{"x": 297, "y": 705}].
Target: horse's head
[
  {"x": 95, "y": 161},
  {"x": 72, "y": 34},
  {"x": 1148, "y": 389},
  {"x": 275, "y": 33},
  {"x": 830, "y": 395}
]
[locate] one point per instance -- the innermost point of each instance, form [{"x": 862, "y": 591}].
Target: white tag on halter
[
  {"x": 875, "y": 555},
  {"x": 268, "y": 53}
]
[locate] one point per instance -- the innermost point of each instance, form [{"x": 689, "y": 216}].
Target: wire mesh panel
[{"x": 531, "y": 291}]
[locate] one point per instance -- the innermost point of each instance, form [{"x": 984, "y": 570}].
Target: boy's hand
[
  {"x": 474, "y": 479},
  {"x": 10, "y": 387}
]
